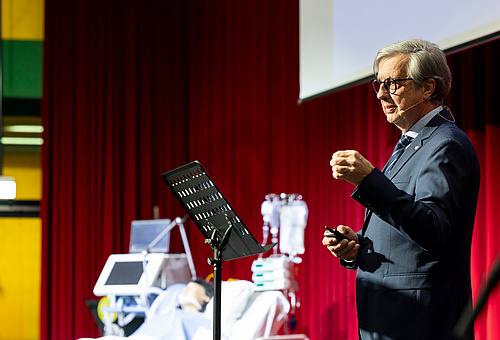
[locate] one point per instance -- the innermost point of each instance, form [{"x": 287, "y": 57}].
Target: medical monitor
[
  {"x": 143, "y": 232},
  {"x": 123, "y": 274}
]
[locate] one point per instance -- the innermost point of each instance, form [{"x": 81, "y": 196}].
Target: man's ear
[{"x": 429, "y": 87}]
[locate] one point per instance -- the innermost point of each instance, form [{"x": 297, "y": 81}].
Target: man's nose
[{"x": 382, "y": 93}]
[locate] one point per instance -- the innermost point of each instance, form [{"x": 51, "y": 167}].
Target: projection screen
[{"x": 340, "y": 38}]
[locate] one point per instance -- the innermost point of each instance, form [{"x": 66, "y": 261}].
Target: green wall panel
[{"x": 22, "y": 69}]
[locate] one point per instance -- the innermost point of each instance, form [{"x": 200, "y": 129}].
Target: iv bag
[{"x": 293, "y": 221}]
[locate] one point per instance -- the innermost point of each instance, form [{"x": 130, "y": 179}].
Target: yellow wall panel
[
  {"x": 20, "y": 272},
  {"x": 23, "y": 19},
  {"x": 25, "y": 167}
]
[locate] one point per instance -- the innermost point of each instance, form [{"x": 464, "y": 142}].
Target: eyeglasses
[{"x": 390, "y": 84}]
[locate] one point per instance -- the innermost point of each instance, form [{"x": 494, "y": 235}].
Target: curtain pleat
[{"x": 133, "y": 89}]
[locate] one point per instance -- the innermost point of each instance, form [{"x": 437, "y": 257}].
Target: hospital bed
[{"x": 246, "y": 314}]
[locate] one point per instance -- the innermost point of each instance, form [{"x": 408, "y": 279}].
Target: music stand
[{"x": 227, "y": 235}]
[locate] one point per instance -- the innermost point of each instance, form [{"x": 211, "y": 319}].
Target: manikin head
[{"x": 196, "y": 295}]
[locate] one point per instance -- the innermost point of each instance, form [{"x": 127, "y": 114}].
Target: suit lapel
[
  {"x": 414, "y": 147},
  {"x": 417, "y": 143}
]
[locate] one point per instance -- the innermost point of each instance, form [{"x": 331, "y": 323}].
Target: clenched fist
[{"x": 350, "y": 165}]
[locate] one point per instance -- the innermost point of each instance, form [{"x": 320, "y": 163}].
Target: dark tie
[{"x": 403, "y": 142}]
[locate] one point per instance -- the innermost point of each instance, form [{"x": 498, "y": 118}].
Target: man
[{"x": 413, "y": 253}]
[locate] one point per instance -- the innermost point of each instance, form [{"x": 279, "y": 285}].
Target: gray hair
[{"x": 426, "y": 61}]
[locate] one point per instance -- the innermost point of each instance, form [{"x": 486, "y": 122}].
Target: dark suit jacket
[{"x": 413, "y": 278}]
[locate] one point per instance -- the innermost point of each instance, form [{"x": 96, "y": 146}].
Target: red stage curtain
[{"x": 133, "y": 89}]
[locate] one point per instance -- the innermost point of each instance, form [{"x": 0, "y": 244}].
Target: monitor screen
[
  {"x": 143, "y": 232},
  {"x": 125, "y": 273}
]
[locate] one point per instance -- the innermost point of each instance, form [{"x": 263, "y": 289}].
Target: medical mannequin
[
  {"x": 196, "y": 295},
  {"x": 181, "y": 319}
]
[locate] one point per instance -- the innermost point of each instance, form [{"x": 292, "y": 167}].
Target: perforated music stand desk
[{"x": 222, "y": 228}]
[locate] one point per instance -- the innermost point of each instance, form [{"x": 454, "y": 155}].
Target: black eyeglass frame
[{"x": 379, "y": 83}]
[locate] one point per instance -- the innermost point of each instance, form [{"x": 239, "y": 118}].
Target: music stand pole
[
  {"x": 217, "y": 247},
  {"x": 217, "y": 264}
]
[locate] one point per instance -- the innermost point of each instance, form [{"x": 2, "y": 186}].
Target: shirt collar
[{"x": 419, "y": 125}]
